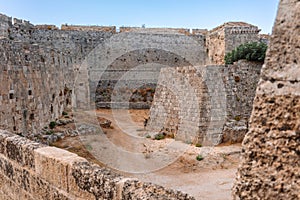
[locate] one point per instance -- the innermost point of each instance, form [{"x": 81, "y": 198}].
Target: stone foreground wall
[
  {"x": 206, "y": 105},
  {"x": 31, "y": 171},
  {"x": 270, "y": 168}
]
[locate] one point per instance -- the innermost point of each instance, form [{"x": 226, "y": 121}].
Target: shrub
[
  {"x": 254, "y": 51},
  {"x": 198, "y": 145},
  {"x": 49, "y": 132},
  {"x": 159, "y": 136},
  {"x": 199, "y": 157},
  {"x": 64, "y": 113},
  {"x": 52, "y": 124},
  {"x": 237, "y": 118}
]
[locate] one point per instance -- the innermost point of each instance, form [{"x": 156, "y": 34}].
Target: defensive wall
[
  {"x": 38, "y": 69},
  {"x": 47, "y": 70},
  {"x": 205, "y": 104}
]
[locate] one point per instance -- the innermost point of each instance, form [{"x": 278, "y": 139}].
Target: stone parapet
[{"x": 30, "y": 171}]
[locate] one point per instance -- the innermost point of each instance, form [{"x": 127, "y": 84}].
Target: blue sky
[{"x": 153, "y": 13}]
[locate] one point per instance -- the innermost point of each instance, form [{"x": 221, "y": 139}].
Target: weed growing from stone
[{"x": 199, "y": 157}]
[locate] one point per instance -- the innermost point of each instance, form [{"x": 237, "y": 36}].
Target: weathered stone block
[
  {"x": 54, "y": 165},
  {"x": 102, "y": 183},
  {"x": 134, "y": 189}
]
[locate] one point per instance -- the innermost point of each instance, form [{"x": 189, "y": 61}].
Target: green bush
[
  {"x": 237, "y": 118},
  {"x": 199, "y": 157},
  {"x": 198, "y": 145},
  {"x": 49, "y": 132},
  {"x": 159, "y": 136},
  {"x": 254, "y": 51},
  {"x": 52, "y": 125}
]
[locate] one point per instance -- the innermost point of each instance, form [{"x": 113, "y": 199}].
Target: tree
[{"x": 254, "y": 51}]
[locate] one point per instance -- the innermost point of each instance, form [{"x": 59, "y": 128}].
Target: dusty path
[{"x": 170, "y": 163}]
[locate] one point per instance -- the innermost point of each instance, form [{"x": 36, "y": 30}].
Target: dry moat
[
  {"x": 150, "y": 113},
  {"x": 215, "y": 172}
]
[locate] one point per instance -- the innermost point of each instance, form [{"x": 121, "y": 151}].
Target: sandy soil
[{"x": 165, "y": 162}]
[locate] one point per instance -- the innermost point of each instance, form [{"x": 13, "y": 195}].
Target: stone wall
[
  {"x": 33, "y": 88},
  {"x": 270, "y": 167},
  {"x": 38, "y": 68},
  {"x": 5, "y": 23},
  {"x": 46, "y": 27},
  {"x": 102, "y": 58},
  {"x": 96, "y": 65},
  {"x": 131, "y": 60},
  {"x": 206, "y": 105},
  {"x": 156, "y": 30},
  {"x": 111, "y": 29},
  {"x": 29, "y": 171}
]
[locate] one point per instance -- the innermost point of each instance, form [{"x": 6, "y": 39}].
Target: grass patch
[
  {"x": 89, "y": 147},
  {"x": 198, "y": 145},
  {"x": 199, "y": 157},
  {"x": 159, "y": 136}
]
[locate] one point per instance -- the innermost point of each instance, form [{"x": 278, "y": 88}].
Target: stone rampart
[
  {"x": 156, "y": 30},
  {"x": 111, "y": 29},
  {"x": 5, "y": 23},
  {"x": 206, "y": 105},
  {"x": 46, "y": 27},
  {"x": 33, "y": 88},
  {"x": 133, "y": 57},
  {"x": 29, "y": 171},
  {"x": 94, "y": 64},
  {"x": 38, "y": 69}
]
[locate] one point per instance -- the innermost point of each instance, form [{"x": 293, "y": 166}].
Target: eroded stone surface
[
  {"x": 53, "y": 173},
  {"x": 270, "y": 168}
]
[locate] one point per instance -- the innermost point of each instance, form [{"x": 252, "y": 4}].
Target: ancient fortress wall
[
  {"x": 4, "y": 25},
  {"x": 105, "y": 61},
  {"x": 46, "y": 70},
  {"x": 33, "y": 87},
  {"x": 111, "y": 29},
  {"x": 129, "y": 62},
  {"x": 38, "y": 69},
  {"x": 205, "y": 104},
  {"x": 271, "y": 160},
  {"x": 30, "y": 171}
]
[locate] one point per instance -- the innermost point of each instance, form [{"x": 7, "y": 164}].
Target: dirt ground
[{"x": 149, "y": 160}]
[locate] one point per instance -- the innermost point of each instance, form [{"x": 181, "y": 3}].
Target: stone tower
[{"x": 227, "y": 37}]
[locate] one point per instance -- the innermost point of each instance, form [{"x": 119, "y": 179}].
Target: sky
[{"x": 203, "y": 14}]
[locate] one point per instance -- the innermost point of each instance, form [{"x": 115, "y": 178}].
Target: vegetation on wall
[{"x": 254, "y": 51}]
